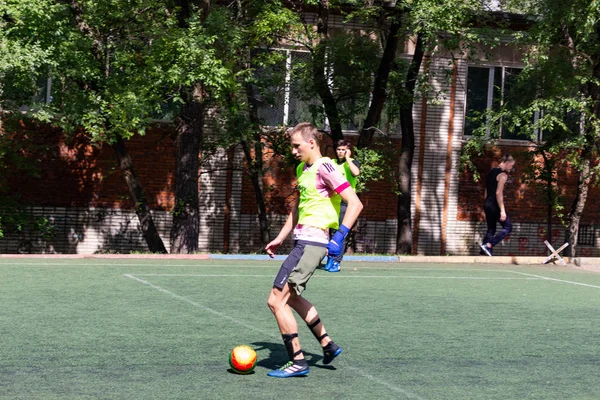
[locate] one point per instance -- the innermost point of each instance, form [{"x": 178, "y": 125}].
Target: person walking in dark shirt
[{"x": 493, "y": 205}]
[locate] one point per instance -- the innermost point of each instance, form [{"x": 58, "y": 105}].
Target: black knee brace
[
  {"x": 312, "y": 327},
  {"x": 289, "y": 346}
]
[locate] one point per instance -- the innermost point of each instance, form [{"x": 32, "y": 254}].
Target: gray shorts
[{"x": 299, "y": 266}]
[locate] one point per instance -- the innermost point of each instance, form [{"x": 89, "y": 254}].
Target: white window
[
  {"x": 44, "y": 90},
  {"x": 280, "y": 100},
  {"x": 285, "y": 100},
  {"x": 487, "y": 88}
]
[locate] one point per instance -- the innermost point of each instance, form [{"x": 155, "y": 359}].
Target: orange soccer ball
[{"x": 242, "y": 359}]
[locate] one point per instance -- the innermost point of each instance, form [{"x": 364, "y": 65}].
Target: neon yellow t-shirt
[
  {"x": 319, "y": 186},
  {"x": 345, "y": 170}
]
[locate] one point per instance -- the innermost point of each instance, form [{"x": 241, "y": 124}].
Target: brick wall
[
  {"x": 71, "y": 172},
  {"x": 80, "y": 189}
]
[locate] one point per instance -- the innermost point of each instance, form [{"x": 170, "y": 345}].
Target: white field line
[
  {"x": 343, "y": 277},
  {"x": 555, "y": 279},
  {"x": 388, "y": 385},
  {"x": 195, "y": 304},
  {"x": 249, "y": 326}
]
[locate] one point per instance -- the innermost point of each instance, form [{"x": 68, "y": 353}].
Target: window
[
  {"x": 488, "y": 89},
  {"x": 281, "y": 103},
  {"x": 22, "y": 92},
  {"x": 284, "y": 99},
  {"x": 586, "y": 235},
  {"x": 44, "y": 90},
  {"x": 573, "y": 121}
]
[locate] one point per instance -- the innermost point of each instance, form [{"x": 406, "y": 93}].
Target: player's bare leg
[
  {"x": 309, "y": 314},
  {"x": 278, "y": 303}
]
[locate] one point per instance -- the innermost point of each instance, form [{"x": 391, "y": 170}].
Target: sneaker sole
[{"x": 286, "y": 375}]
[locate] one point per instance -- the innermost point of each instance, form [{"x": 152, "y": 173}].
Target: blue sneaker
[
  {"x": 329, "y": 264},
  {"x": 335, "y": 267},
  {"x": 330, "y": 352},
  {"x": 290, "y": 370}
]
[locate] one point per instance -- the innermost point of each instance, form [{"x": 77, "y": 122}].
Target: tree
[
  {"x": 350, "y": 65},
  {"x": 450, "y": 28},
  {"x": 94, "y": 49},
  {"x": 118, "y": 65},
  {"x": 104, "y": 85},
  {"x": 189, "y": 122},
  {"x": 561, "y": 83},
  {"x": 248, "y": 35},
  {"x": 347, "y": 70},
  {"x": 21, "y": 52},
  {"x": 541, "y": 173},
  {"x": 433, "y": 26}
]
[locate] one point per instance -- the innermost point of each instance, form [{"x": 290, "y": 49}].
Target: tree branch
[{"x": 87, "y": 30}]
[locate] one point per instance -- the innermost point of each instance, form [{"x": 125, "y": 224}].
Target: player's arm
[
  {"x": 500, "y": 195},
  {"x": 290, "y": 222},
  {"x": 355, "y": 206},
  {"x": 354, "y": 169}
]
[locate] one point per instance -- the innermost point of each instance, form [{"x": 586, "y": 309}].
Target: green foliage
[
  {"x": 372, "y": 168},
  {"x": 377, "y": 163},
  {"x": 14, "y": 218},
  {"x": 559, "y": 84},
  {"x": 246, "y": 36},
  {"x": 557, "y": 94},
  {"x": 540, "y": 173},
  {"x": 114, "y": 64}
]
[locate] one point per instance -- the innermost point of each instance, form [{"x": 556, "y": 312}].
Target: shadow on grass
[
  {"x": 277, "y": 356},
  {"x": 232, "y": 371}
]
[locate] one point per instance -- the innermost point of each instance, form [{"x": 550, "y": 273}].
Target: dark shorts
[{"x": 300, "y": 264}]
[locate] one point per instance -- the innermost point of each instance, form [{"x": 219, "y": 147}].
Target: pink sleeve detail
[
  {"x": 342, "y": 187},
  {"x": 332, "y": 177}
]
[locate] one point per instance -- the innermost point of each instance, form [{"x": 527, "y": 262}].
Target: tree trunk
[
  {"x": 186, "y": 213},
  {"x": 149, "y": 232},
  {"x": 255, "y": 167},
  {"x": 320, "y": 74},
  {"x": 587, "y": 153},
  {"x": 256, "y": 179},
  {"x": 404, "y": 234},
  {"x": 1, "y": 109},
  {"x": 185, "y": 8},
  {"x": 578, "y": 206},
  {"x": 380, "y": 87},
  {"x": 548, "y": 172}
]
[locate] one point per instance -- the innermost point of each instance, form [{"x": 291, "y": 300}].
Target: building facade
[{"x": 81, "y": 193}]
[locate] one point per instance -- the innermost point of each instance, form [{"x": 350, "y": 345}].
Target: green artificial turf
[{"x": 163, "y": 329}]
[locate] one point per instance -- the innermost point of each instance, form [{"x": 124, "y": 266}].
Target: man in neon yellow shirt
[
  {"x": 350, "y": 169},
  {"x": 321, "y": 187}
]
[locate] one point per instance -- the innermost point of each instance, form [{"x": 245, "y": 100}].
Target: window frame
[
  {"x": 288, "y": 86},
  {"x": 490, "y": 101},
  {"x": 287, "y": 80}
]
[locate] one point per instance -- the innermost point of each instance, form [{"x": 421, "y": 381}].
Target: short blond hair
[{"x": 307, "y": 131}]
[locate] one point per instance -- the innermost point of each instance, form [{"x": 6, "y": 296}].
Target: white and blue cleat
[{"x": 289, "y": 370}]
